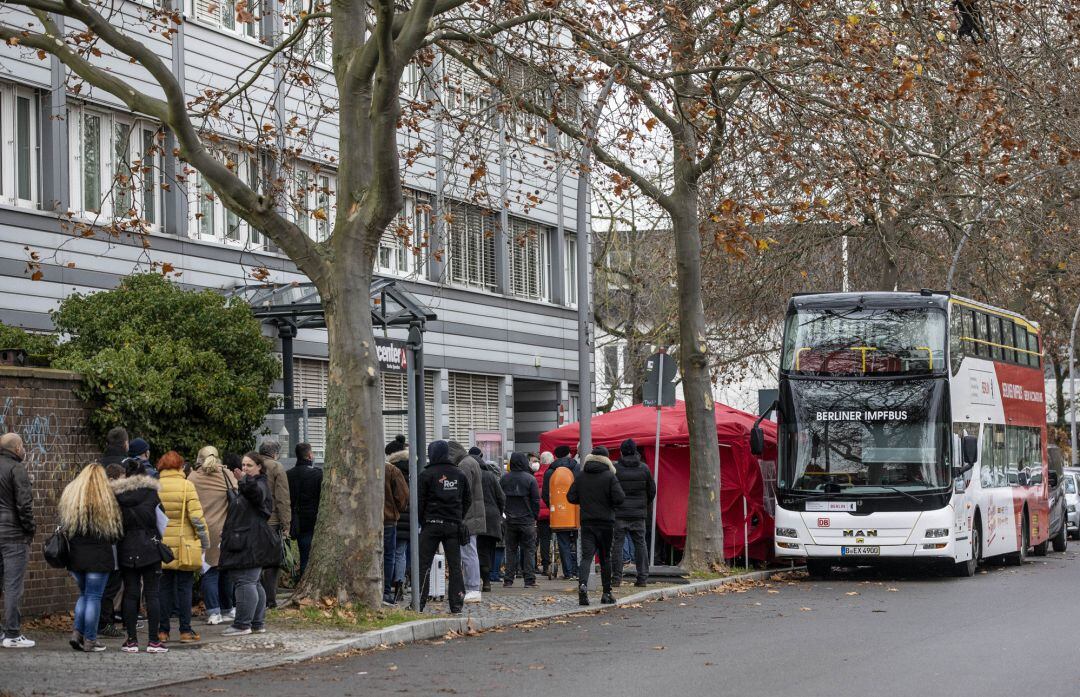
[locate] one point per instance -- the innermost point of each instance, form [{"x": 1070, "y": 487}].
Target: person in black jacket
[
  {"x": 139, "y": 552},
  {"x": 640, "y": 489},
  {"x": 443, "y": 497},
  {"x": 566, "y": 538},
  {"x": 305, "y": 487},
  {"x": 17, "y": 530},
  {"x": 494, "y": 505},
  {"x": 598, "y": 493},
  {"x": 248, "y": 545},
  {"x": 522, "y": 510}
]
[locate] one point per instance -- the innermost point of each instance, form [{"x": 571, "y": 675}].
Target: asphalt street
[{"x": 1007, "y": 631}]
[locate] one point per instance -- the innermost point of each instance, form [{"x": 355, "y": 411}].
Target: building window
[
  {"x": 571, "y": 270},
  {"x": 19, "y": 114},
  {"x": 529, "y": 85},
  {"x": 464, "y": 94},
  {"x": 116, "y": 165},
  {"x": 311, "y": 377},
  {"x": 315, "y": 44},
  {"x": 211, "y": 219},
  {"x": 395, "y": 398},
  {"x": 312, "y": 201},
  {"x": 233, "y": 16},
  {"x": 474, "y": 405},
  {"x": 528, "y": 259},
  {"x": 401, "y": 242},
  {"x": 470, "y": 237}
]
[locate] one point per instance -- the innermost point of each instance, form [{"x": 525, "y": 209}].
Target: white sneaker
[
  {"x": 472, "y": 597},
  {"x": 214, "y": 618},
  {"x": 234, "y": 631},
  {"x": 19, "y": 642},
  {"x": 231, "y": 614}
]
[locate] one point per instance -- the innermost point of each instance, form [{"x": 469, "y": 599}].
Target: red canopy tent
[{"x": 740, "y": 472}]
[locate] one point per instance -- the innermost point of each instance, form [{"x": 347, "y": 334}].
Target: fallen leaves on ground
[
  {"x": 659, "y": 648},
  {"x": 852, "y": 593},
  {"x": 806, "y": 609}
]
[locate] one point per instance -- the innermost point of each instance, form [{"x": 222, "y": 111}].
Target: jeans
[
  {"x": 147, "y": 578},
  {"x": 595, "y": 540},
  {"x": 543, "y": 541},
  {"x": 13, "y": 559},
  {"x": 523, "y": 537},
  {"x": 470, "y": 565},
  {"x": 567, "y": 540},
  {"x": 250, "y": 598},
  {"x": 631, "y": 530},
  {"x": 389, "y": 551},
  {"x": 88, "y": 608},
  {"x": 303, "y": 541},
  {"x": 176, "y": 587},
  {"x": 496, "y": 563},
  {"x": 430, "y": 536},
  {"x": 485, "y": 549},
  {"x": 210, "y": 585},
  {"x": 401, "y": 558}
]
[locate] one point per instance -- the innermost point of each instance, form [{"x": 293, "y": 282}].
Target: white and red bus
[{"x": 912, "y": 428}]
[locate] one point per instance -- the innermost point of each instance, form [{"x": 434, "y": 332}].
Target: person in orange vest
[{"x": 567, "y": 539}]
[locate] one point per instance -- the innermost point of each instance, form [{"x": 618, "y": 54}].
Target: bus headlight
[
  {"x": 787, "y": 532},
  {"x": 937, "y": 532}
]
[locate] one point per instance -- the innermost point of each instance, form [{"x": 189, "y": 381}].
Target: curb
[{"x": 423, "y": 630}]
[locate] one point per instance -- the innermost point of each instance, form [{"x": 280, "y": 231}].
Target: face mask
[{"x": 534, "y": 466}]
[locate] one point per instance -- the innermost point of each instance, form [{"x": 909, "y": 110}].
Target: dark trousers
[
  {"x": 269, "y": 582},
  {"x": 14, "y": 558},
  {"x": 595, "y": 540},
  {"x": 567, "y": 551},
  {"x": 431, "y": 534},
  {"x": 635, "y": 530},
  {"x": 389, "y": 547},
  {"x": 543, "y": 541},
  {"x": 108, "y": 599},
  {"x": 521, "y": 537},
  {"x": 303, "y": 541},
  {"x": 145, "y": 579},
  {"x": 176, "y": 596},
  {"x": 485, "y": 547}
]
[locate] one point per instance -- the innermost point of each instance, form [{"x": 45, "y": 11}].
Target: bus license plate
[{"x": 860, "y": 551}]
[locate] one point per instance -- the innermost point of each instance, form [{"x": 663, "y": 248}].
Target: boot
[
  {"x": 607, "y": 599},
  {"x": 583, "y": 594}
]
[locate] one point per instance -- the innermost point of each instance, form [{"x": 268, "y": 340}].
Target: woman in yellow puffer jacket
[{"x": 186, "y": 536}]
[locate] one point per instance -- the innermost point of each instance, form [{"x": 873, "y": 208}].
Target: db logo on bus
[{"x": 823, "y": 522}]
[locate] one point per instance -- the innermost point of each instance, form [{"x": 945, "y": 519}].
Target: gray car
[{"x": 1071, "y": 490}]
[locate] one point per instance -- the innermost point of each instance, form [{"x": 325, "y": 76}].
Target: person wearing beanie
[
  {"x": 598, "y": 493},
  {"x": 139, "y": 449},
  {"x": 443, "y": 497},
  {"x": 566, "y": 539},
  {"x": 522, "y": 509},
  {"x": 630, "y": 516}
]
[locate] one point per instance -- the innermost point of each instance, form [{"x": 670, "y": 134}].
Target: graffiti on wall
[{"x": 40, "y": 432}]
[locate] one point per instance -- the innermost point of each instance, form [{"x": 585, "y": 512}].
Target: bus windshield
[
  {"x": 865, "y": 341},
  {"x": 864, "y": 437}
]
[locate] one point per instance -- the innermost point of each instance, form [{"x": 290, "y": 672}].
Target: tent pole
[{"x": 656, "y": 456}]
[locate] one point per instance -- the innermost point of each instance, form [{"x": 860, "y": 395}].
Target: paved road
[{"x": 1005, "y": 632}]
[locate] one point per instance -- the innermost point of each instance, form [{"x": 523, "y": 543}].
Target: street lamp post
[{"x": 1072, "y": 388}]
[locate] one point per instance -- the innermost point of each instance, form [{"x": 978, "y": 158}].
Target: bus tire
[
  {"x": 1019, "y": 557},
  {"x": 1061, "y": 540},
  {"x": 818, "y": 568},
  {"x": 966, "y": 569}
]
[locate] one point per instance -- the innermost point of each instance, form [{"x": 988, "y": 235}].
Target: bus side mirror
[
  {"x": 757, "y": 441},
  {"x": 969, "y": 451}
]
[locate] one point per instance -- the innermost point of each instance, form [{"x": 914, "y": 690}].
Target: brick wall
[{"x": 40, "y": 405}]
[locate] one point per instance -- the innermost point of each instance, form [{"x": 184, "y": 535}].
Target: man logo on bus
[{"x": 860, "y": 533}]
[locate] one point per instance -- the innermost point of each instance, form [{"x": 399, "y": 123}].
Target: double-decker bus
[{"x": 912, "y": 428}]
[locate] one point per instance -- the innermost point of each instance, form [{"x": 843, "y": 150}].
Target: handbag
[
  {"x": 165, "y": 551},
  {"x": 57, "y": 549},
  {"x": 230, "y": 492},
  {"x": 190, "y": 551}
]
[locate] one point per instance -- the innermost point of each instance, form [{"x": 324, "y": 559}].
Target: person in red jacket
[{"x": 543, "y": 524}]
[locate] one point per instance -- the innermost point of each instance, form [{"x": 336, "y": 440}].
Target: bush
[{"x": 182, "y": 369}]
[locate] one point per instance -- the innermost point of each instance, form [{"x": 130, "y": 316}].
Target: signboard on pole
[
  {"x": 392, "y": 355},
  {"x": 659, "y": 390}
]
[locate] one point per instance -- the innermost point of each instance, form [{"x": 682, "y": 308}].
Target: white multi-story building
[{"x": 501, "y": 357}]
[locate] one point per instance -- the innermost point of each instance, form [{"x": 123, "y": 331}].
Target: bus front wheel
[
  {"x": 966, "y": 569},
  {"x": 1019, "y": 557},
  {"x": 818, "y": 568}
]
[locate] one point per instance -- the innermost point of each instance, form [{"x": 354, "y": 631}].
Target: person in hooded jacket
[
  {"x": 443, "y": 497},
  {"x": 494, "y": 504},
  {"x": 248, "y": 545},
  {"x": 474, "y": 520},
  {"x": 139, "y": 552},
  {"x": 598, "y": 493},
  {"x": 395, "y": 499},
  {"x": 305, "y": 490},
  {"x": 397, "y": 454},
  {"x": 540, "y": 466},
  {"x": 566, "y": 539},
  {"x": 640, "y": 489},
  {"x": 522, "y": 509}
]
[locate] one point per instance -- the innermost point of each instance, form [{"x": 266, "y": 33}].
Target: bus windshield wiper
[{"x": 901, "y": 491}]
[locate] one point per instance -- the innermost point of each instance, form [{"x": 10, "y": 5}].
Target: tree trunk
[
  {"x": 1059, "y": 392},
  {"x": 704, "y": 532},
  {"x": 346, "y": 559}
]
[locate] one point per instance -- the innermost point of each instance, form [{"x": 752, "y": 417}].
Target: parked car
[{"x": 1071, "y": 488}]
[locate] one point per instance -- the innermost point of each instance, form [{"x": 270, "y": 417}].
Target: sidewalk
[{"x": 52, "y": 668}]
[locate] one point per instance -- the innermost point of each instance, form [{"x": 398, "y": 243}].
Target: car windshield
[
  {"x": 864, "y": 437},
  {"x": 865, "y": 341},
  {"x": 1070, "y": 484}
]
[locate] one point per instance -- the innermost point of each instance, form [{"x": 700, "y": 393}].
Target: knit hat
[
  {"x": 396, "y": 445},
  {"x": 562, "y": 451},
  {"x": 601, "y": 451},
  {"x": 138, "y": 447},
  {"x": 438, "y": 451},
  {"x": 476, "y": 453},
  {"x": 628, "y": 447}
]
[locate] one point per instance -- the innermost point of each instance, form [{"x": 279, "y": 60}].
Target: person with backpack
[
  {"x": 139, "y": 552},
  {"x": 598, "y": 493},
  {"x": 640, "y": 489},
  {"x": 522, "y": 510}
]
